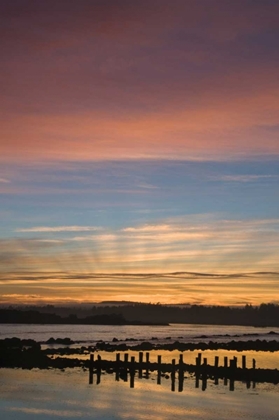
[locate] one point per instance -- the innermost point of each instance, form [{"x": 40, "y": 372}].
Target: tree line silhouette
[{"x": 266, "y": 314}]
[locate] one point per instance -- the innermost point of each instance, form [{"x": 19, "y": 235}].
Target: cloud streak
[{"x": 59, "y": 229}]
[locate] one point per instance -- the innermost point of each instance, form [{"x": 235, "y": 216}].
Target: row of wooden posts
[{"x": 229, "y": 370}]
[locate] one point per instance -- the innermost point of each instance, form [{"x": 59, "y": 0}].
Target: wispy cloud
[
  {"x": 60, "y": 229},
  {"x": 242, "y": 178},
  {"x": 4, "y": 181},
  {"x": 148, "y": 228},
  {"x": 164, "y": 287}
]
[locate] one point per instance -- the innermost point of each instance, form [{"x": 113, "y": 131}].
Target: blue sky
[{"x": 123, "y": 217}]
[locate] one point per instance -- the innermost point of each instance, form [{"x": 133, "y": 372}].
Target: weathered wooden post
[
  {"x": 216, "y": 363},
  {"x": 117, "y": 366},
  {"x": 197, "y": 371},
  {"x": 91, "y": 365},
  {"x": 140, "y": 363},
  {"x": 180, "y": 373},
  {"x": 147, "y": 364},
  {"x": 232, "y": 371},
  {"x": 173, "y": 375},
  {"x": 225, "y": 371},
  {"x": 132, "y": 372},
  {"x": 159, "y": 361},
  {"x": 204, "y": 374},
  {"x": 99, "y": 369},
  {"x": 126, "y": 359}
]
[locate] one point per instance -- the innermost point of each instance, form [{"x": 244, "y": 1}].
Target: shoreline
[{"x": 27, "y": 353}]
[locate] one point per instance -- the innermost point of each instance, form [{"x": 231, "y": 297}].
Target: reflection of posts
[
  {"x": 173, "y": 375},
  {"x": 232, "y": 374},
  {"x": 204, "y": 374},
  {"x": 254, "y": 368},
  {"x": 91, "y": 365},
  {"x": 159, "y": 361}
]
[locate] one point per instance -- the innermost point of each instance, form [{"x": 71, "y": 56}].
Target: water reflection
[
  {"x": 229, "y": 373},
  {"x": 176, "y": 378},
  {"x": 52, "y": 394}
]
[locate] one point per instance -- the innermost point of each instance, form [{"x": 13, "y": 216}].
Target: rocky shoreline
[{"x": 27, "y": 353}]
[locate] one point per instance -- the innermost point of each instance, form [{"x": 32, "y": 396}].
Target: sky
[{"x": 139, "y": 151}]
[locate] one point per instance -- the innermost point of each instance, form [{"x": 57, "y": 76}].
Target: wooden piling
[
  {"x": 216, "y": 363},
  {"x": 140, "y": 363},
  {"x": 180, "y": 373},
  {"x": 202, "y": 371},
  {"x": 197, "y": 371},
  {"x": 117, "y": 366},
  {"x": 173, "y": 367},
  {"x": 159, "y": 361},
  {"x": 132, "y": 372},
  {"x": 147, "y": 357},
  {"x": 91, "y": 365},
  {"x": 147, "y": 364},
  {"x": 204, "y": 374},
  {"x": 99, "y": 369}
]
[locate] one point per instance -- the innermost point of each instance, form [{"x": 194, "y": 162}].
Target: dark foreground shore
[{"x": 26, "y": 353}]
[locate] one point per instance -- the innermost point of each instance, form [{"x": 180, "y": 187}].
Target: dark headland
[{"x": 264, "y": 315}]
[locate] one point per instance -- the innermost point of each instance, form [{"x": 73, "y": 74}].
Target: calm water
[
  {"x": 52, "y": 394},
  {"x": 94, "y": 333},
  {"x": 59, "y": 395}
]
